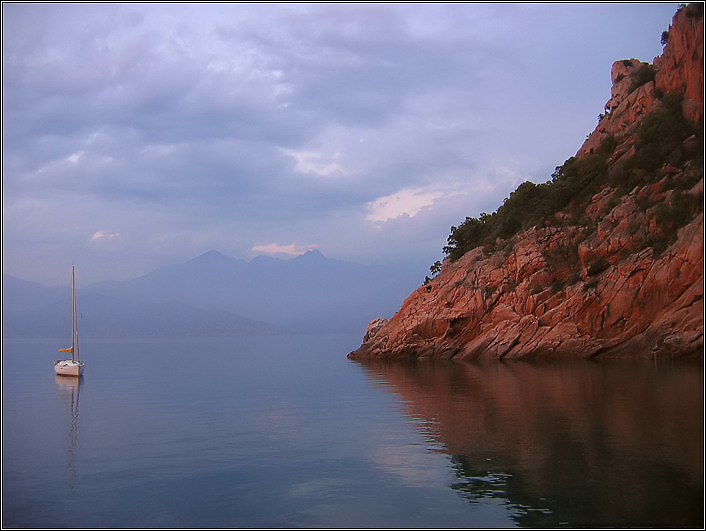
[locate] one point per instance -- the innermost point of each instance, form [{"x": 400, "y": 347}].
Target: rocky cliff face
[
  {"x": 681, "y": 65},
  {"x": 625, "y": 281},
  {"x": 636, "y": 85}
]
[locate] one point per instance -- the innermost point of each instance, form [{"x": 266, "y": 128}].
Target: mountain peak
[
  {"x": 211, "y": 258},
  {"x": 312, "y": 254},
  {"x": 211, "y": 255}
]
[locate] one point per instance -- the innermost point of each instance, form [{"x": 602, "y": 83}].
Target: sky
[{"x": 140, "y": 135}]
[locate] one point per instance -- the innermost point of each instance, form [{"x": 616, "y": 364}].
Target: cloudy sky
[{"x": 138, "y": 135}]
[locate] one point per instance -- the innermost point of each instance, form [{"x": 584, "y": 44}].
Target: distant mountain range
[{"x": 215, "y": 294}]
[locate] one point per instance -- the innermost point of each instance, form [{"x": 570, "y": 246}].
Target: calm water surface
[{"x": 286, "y": 432}]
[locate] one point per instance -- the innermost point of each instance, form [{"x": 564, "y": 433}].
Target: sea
[{"x": 284, "y": 431}]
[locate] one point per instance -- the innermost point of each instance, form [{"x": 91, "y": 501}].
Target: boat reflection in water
[
  {"x": 68, "y": 389},
  {"x": 570, "y": 444}
]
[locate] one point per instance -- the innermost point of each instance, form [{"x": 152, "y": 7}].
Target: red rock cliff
[
  {"x": 636, "y": 84},
  {"x": 616, "y": 284}
]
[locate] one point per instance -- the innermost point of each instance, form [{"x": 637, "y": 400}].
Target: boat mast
[{"x": 74, "y": 324}]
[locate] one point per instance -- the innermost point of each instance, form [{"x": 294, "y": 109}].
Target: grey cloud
[{"x": 184, "y": 121}]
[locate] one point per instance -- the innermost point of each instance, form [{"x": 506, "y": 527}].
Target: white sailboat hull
[{"x": 68, "y": 368}]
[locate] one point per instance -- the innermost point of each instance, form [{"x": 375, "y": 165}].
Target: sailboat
[{"x": 73, "y": 366}]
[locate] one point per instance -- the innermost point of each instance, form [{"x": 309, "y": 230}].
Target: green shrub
[
  {"x": 659, "y": 245},
  {"x": 665, "y": 38},
  {"x": 557, "y": 286},
  {"x": 597, "y": 267},
  {"x": 679, "y": 213},
  {"x": 641, "y": 75},
  {"x": 435, "y": 268},
  {"x": 590, "y": 285}
]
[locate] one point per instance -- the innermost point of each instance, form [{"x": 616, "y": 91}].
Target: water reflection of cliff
[
  {"x": 586, "y": 444},
  {"x": 68, "y": 388}
]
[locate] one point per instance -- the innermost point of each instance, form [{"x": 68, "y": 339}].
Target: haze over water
[{"x": 284, "y": 431}]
